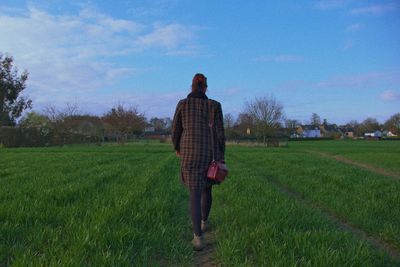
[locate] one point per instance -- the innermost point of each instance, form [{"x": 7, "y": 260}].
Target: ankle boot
[
  {"x": 198, "y": 242},
  {"x": 205, "y": 226}
]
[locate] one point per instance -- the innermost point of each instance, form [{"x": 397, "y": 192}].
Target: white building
[
  {"x": 312, "y": 133},
  {"x": 374, "y": 134}
]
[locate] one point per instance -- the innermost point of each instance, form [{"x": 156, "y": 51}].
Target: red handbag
[{"x": 217, "y": 170}]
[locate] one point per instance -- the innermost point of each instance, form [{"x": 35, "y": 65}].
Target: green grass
[
  {"x": 260, "y": 226},
  {"x": 92, "y": 206},
  {"x": 124, "y": 205},
  {"x": 368, "y": 200},
  {"x": 382, "y": 154}
]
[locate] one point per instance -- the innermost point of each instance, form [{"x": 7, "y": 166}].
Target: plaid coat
[{"x": 191, "y": 136}]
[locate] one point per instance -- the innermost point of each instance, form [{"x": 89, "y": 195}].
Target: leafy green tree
[
  {"x": 125, "y": 121},
  {"x": 12, "y": 104},
  {"x": 34, "y": 119}
]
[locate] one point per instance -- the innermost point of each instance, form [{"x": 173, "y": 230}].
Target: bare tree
[
  {"x": 244, "y": 124},
  {"x": 56, "y": 115},
  {"x": 393, "y": 123},
  {"x": 159, "y": 124},
  {"x": 354, "y": 125},
  {"x": 291, "y": 125},
  {"x": 228, "y": 121},
  {"x": 70, "y": 110},
  {"x": 369, "y": 125},
  {"x": 168, "y": 122},
  {"x": 267, "y": 114},
  {"x": 315, "y": 119},
  {"x": 62, "y": 121}
]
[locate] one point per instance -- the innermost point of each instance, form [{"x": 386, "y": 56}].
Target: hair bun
[{"x": 199, "y": 82}]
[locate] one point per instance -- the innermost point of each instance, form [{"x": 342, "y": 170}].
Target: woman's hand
[{"x": 178, "y": 153}]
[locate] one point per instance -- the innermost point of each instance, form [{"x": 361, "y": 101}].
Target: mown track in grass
[
  {"x": 111, "y": 208},
  {"x": 357, "y": 164},
  {"x": 206, "y": 257},
  {"x": 371, "y": 201},
  {"x": 345, "y": 225},
  {"x": 258, "y": 225},
  {"x": 365, "y": 199},
  {"x": 379, "y": 154}
]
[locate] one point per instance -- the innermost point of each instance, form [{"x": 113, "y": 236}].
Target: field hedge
[
  {"x": 41, "y": 137},
  {"x": 311, "y": 139}
]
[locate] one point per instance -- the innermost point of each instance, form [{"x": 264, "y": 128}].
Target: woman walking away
[{"x": 191, "y": 138}]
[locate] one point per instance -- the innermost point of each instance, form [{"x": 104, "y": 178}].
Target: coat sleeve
[
  {"x": 219, "y": 126},
  {"x": 177, "y": 127}
]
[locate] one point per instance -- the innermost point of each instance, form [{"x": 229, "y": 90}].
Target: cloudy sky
[{"x": 337, "y": 58}]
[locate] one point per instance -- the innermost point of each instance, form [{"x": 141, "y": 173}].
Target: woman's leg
[
  {"x": 206, "y": 201},
  {"x": 195, "y": 211}
]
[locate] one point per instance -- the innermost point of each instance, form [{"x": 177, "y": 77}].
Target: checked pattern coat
[{"x": 191, "y": 136}]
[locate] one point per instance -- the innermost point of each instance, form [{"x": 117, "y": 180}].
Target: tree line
[{"x": 261, "y": 119}]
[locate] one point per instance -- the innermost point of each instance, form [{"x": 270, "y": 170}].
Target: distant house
[
  {"x": 330, "y": 130},
  {"x": 346, "y": 131},
  {"x": 299, "y": 131},
  {"x": 309, "y": 131},
  {"x": 376, "y": 134},
  {"x": 312, "y": 133},
  {"x": 388, "y": 134},
  {"x": 149, "y": 130},
  {"x": 295, "y": 135}
]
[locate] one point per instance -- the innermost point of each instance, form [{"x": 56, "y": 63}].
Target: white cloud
[
  {"x": 330, "y": 4},
  {"x": 230, "y": 92},
  {"x": 379, "y": 9},
  {"x": 347, "y": 45},
  {"x": 361, "y": 81},
  {"x": 70, "y": 54},
  {"x": 390, "y": 95},
  {"x": 280, "y": 58},
  {"x": 151, "y": 8},
  {"x": 354, "y": 27},
  {"x": 168, "y": 36}
]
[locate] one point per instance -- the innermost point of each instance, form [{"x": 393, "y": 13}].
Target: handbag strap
[{"x": 210, "y": 125}]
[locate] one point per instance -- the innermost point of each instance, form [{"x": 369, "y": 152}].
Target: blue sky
[{"x": 337, "y": 58}]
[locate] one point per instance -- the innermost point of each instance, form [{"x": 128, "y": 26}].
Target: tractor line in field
[
  {"x": 342, "y": 223},
  {"x": 205, "y": 257},
  {"x": 357, "y": 164}
]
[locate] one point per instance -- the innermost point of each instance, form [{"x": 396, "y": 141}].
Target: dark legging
[{"x": 200, "y": 205}]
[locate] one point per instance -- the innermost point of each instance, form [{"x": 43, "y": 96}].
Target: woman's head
[{"x": 199, "y": 83}]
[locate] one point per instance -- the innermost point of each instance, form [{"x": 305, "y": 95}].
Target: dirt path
[
  {"x": 342, "y": 223},
  {"x": 205, "y": 258},
  {"x": 357, "y": 164}
]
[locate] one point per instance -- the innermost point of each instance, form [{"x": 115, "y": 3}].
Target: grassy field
[
  {"x": 383, "y": 154},
  {"x": 125, "y": 206}
]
